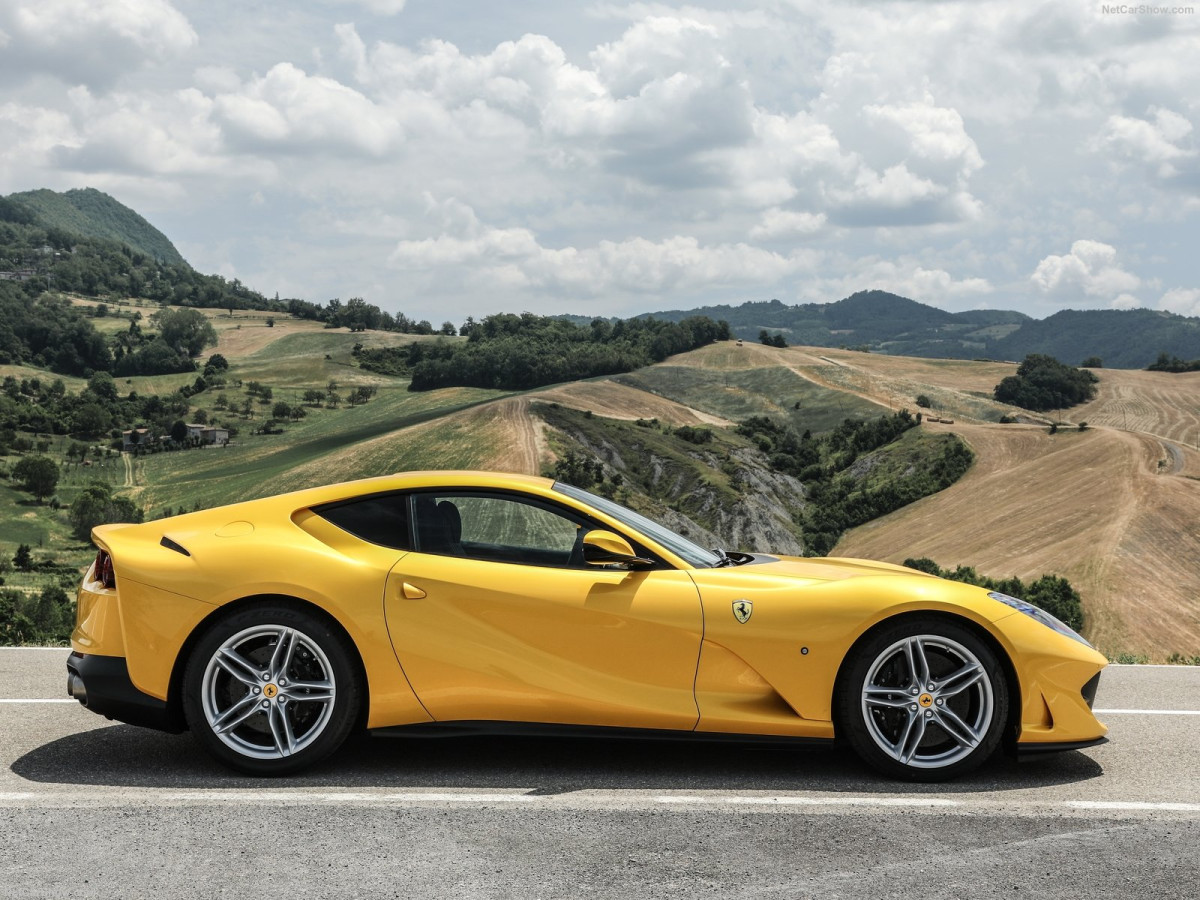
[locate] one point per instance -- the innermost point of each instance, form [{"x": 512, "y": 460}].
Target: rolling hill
[
  {"x": 1113, "y": 508},
  {"x": 887, "y": 323},
  {"x": 92, "y": 213}
]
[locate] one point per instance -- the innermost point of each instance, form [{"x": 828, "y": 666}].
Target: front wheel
[
  {"x": 271, "y": 689},
  {"x": 924, "y": 700}
]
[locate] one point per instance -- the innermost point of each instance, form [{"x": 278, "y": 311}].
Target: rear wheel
[
  {"x": 924, "y": 700},
  {"x": 271, "y": 689}
]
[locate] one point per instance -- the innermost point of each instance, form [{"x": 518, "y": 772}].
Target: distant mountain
[
  {"x": 1123, "y": 338},
  {"x": 887, "y": 323},
  {"x": 92, "y": 213}
]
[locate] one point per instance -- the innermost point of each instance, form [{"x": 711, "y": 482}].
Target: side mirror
[{"x": 602, "y": 548}]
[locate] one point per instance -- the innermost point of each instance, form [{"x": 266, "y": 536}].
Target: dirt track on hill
[
  {"x": 1161, "y": 404},
  {"x": 619, "y": 401},
  {"x": 1089, "y": 506},
  {"x": 517, "y": 434}
]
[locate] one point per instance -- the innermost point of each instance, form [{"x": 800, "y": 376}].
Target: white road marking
[
  {"x": 1131, "y": 805},
  {"x": 810, "y": 801},
  {"x": 127, "y": 798},
  {"x": 1147, "y": 712},
  {"x": 208, "y": 796},
  {"x": 40, "y": 700}
]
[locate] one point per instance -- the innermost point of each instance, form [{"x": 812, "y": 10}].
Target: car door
[{"x": 495, "y": 616}]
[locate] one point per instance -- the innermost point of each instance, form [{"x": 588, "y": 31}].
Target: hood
[{"x": 789, "y": 572}]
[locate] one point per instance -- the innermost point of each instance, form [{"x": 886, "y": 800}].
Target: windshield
[{"x": 692, "y": 553}]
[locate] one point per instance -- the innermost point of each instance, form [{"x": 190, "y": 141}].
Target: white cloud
[
  {"x": 91, "y": 42},
  {"x": 288, "y": 107},
  {"x": 379, "y": 7},
  {"x": 904, "y": 275},
  {"x": 482, "y": 255},
  {"x": 651, "y": 154},
  {"x": 1184, "y": 301},
  {"x": 1163, "y": 145},
  {"x": 782, "y": 223},
  {"x": 935, "y": 134},
  {"x": 1090, "y": 268}
]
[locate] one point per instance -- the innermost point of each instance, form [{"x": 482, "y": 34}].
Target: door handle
[{"x": 411, "y": 591}]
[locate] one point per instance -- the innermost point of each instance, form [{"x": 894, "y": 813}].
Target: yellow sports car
[{"x": 273, "y": 628}]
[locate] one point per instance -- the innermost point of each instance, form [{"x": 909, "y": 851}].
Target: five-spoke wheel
[
  {"x": 270, "y": 689},
  {"x": 924, "y": 699}
]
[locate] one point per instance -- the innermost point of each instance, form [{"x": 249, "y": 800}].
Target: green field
[
  {"x": 737, "y": 394},
  {"x": 326, "y": 446}
]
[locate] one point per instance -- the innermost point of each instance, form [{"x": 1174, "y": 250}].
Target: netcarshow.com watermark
[{"x": 1144, "y": 9}]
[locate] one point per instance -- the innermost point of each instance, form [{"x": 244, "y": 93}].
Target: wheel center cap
[
  {"x": 270, "y": 691},
  {"x": 926, "y": 700}
]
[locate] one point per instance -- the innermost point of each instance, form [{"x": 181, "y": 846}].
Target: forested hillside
[
  {"x": 93, "y": 213},
  {"x": 517, "y": 352},
  {"x": 886, "y": 323}
]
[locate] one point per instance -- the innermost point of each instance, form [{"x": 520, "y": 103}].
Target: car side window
[
  {"x": 381, "y": 520},
  {"x": 496, "y": 529}
]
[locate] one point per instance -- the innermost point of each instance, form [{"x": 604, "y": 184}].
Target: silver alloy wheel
[
  {"x": 927, "y": 701},
  {"x": 268, "y": 691}
]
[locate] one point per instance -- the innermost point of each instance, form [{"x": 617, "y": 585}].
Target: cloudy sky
[{"x": 455, "y": 157}]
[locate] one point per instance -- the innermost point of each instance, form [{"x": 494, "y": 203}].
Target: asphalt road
[{"x": 89, "y": 808}]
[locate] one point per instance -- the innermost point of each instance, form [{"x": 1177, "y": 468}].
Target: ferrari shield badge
[{"x": 742, "y": 610}]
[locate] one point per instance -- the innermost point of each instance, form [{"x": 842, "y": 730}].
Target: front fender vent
[
  {"x": 171, "y": 545},
  {"x": 1089, "y": 690}
]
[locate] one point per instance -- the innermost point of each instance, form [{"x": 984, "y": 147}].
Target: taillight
[{"x": 103, "y": 570}]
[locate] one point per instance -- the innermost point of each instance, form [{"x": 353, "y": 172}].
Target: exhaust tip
[{"x": 76, "y": 687}]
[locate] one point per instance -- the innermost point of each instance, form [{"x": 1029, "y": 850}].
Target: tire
[
  {"x": 271, "y": 689},
  {"x": 923, "y": 700}
]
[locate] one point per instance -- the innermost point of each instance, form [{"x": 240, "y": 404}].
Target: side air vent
[{"x": 171, "y": 545}]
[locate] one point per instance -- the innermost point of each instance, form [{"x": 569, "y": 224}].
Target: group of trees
[
  {"x": 514, "y": 352},
  {"x": 1050, "y": 592},
  {"x": 44, "y": 618},
  {"x": 97, "y": 505},
  {"x": 1043, "y": 383},
  {"x": 845, "y": 500},
  {"x": 1168, "y": 363},
  {"x": 46, "y": 407},
  {"x": 48, "y": 332},
  {"x": 772, "y": 340},
  {"x": 359, "y": 315},
  {"x": 839, "y": 497}
]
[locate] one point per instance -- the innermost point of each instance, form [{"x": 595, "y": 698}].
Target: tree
[
  {"x": 23, "y": 558},
  {"x": 37, "y": 474},
  {"x": 1043, "y": 383},
  {"x": 281, "y": 410},
  {"x": 50, "y": 613},
  {"x": 102, "y": 385},
  {"x": 91, "y": 419},
  {"x": 186, "y": 331},
  {"x": 179, "y": 431},
  {"x": 97, "y": 506},
  {"x": 1056, "y": 596},
  {"x": 1092, "y": 362},
  {"x": 923, "y": 401}
]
